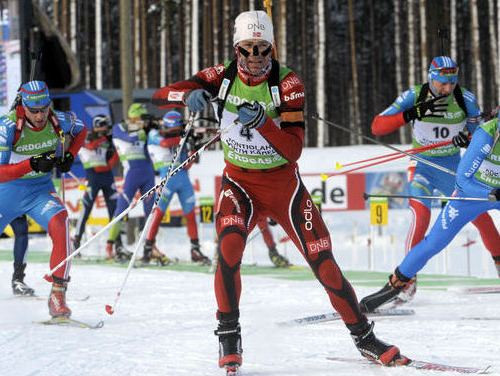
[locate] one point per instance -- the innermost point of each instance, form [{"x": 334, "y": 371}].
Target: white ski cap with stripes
[{"x": 254, "y": 24}]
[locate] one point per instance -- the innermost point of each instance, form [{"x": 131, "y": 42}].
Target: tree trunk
[
  {"x": 423, "y": 41},
  {"x": 207, "y": 53},
  {"x": 282, "y": 50},
  {"x": 495, "y": 68},
  {"x": 86, "y": 18},
  {"x": 355, "y": 99},
  {"x": 475, "y": 53},
  {"x": 144, "y": 45},
  {"x": 216, "y": 35},
  {"x": 137, "y": 43},
  {"x": 125, "y": 56},
  {"x": 320, "y": 72},
  {"x": 163, "y": 42},
  {"x": 453, "y": 29},
  {"x": 110, "y": 71},
  {"x": 411, "y": 43},
  {"x": 64, "y": 19},
  {"x": 226, "y": 29},
  {"x": 195, "y": 48},
  {"x": 55, "y": 12},
  {"x": 403, "y": 134},
  {"x": 187, "y": 38},
  {"x": 98, "y": 45},
  {"x": 73, "y": 26}
]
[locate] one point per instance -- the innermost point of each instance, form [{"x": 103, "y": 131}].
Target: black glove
[
  {"x": 43, "y": 162},
  {"x": 64, "y": 164},
  {"x": 251, "y": 115},
  {"x": 272, "y": 222},
  {"x": 461, "y": 140},
  {"x": 494, "y": 194},
  {"x": 426, "y": 109}
]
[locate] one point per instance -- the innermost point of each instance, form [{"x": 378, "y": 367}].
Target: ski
[
  {"x": 332, "y": 316},
  {"x": 44, "y": 298},
  {"x": 479, "y": 290},
  {"x": 419, "y": 364},
  {"x": 69, "y": 299},
  {"x": 66, "y": 321}
]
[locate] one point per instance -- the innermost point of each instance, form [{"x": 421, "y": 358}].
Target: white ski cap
[{"x": 254, "y": 24}]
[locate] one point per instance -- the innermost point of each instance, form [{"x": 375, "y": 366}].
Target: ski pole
[
  {"x": 134, "y": 204},
  {"x": 110, "y": 309},
  {"x": 436, "y": 166},
  {"x": 81, "y": 186},
  {"x": 394, "y": 156},
  {"x": 327, "y": 176},
  {"x": 419, "y": 149},
  {"x": 366, "y": 196}
]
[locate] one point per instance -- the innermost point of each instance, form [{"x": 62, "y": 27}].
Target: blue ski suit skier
[
  {"x": 98, "y": 157},
  {"x": 438, "y": 110},
  {"x": 130, "y": 140},
  {"x": 162, "y": 145},
  {"x": 30, "y": 137},
  {"x": 478, "y": 176}
]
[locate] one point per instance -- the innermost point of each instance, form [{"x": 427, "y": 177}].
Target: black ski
[
  {"x": 332, "y": 316},
  {"x": 419, "y": 364}
]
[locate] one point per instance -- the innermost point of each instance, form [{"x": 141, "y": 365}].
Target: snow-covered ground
[{"x": 165, "y": 320}]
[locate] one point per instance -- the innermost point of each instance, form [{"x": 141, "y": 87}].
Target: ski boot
[
  {"x": 57, "y": 299},
  {"x": 374, "y": 349},
  {"x": 407, "y": 293},
  {"x": 388, "y": 293},
  {"x": 121, "y": 254},
  {"x": 229, "y": 346},
  {"x": 278, "y": 260},
  {"x": 109, "y": 249},
  {"x": 76, "y": 245},
  {"x": 197, "y": 256},
  {"x": 497, "y": 264},
  {"x": 18, "y": 285},
  {"x": 148, "y": 249},
  {"x": 151, "y": 252}
]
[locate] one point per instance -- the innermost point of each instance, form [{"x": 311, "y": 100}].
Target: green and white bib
[
  {"x": 247, "y": 148},
  {"x": 432, "y": 130},
  {"x": 94, "y": 158},
  {"x": 31, "y": 143}
]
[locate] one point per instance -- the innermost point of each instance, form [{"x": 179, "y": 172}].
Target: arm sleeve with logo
[
  {"x": 173, "y": 95},
  {"x": 474, "y": 119},
  {"x": 8, "y": 171},
  {"x": 289, "y": 140},
  {"x": 478, "y": 149},
  {"x": 392, "y": 118},
  {"x": 74, "y": 127}
]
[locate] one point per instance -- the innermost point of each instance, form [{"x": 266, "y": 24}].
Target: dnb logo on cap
[{"x": 35, "y": 94}]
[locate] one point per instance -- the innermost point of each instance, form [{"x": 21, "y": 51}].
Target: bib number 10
[{"x": 441, "y": 132}]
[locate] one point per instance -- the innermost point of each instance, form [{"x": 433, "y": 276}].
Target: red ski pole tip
[{"x": 109, "y": 309}]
